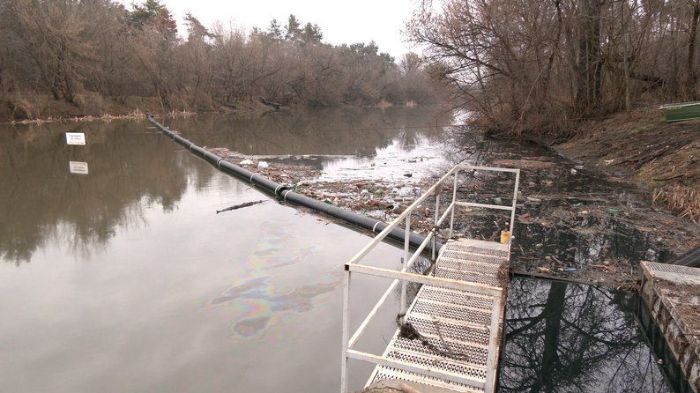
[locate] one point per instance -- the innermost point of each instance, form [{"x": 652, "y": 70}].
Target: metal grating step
[
  {"x": 454, "y": 263},
  {"x": 450, "y": 331},
  {"x": 458, "y": 352},
  {"x": 463, "y": 256},
  {"x": 455, "y": 313},
  {"x": 457, "y": 292},
  {"x": 388, "y": 373},
  {"x": 440, "y": 304},
  {"x": 481, "y": 278},
  {"x": 439, "y": 363},
  {"x": 469, "y": 266},
  {"x": 444, "y": 295},
  {"x": 456, "y": 324},
  {"x": 455, "y": 246}
]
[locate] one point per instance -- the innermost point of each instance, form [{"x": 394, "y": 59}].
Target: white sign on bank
[
  {"x": 78, "y": 167},
  {"x": 75, "y": 138}
]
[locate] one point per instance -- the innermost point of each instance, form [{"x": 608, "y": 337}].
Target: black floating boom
[{"x": 284, "y": 193}]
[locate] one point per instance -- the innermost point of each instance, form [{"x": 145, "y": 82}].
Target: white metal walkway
[
  {"x": 463, "y": 325},
  {"x": 455, "y": 321}
]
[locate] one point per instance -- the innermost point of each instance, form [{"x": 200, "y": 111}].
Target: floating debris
[{"x": 240, "y": 206}]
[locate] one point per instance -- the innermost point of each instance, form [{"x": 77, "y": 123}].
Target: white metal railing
[{"x": 404, "y": 276}]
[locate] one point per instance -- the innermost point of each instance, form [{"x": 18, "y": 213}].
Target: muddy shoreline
[
  {"x": 663, "y": 159},
  {"x": 594, "y": 228}
]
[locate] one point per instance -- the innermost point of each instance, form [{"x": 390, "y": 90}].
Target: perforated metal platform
[
  {"x": 451, "y": 331},
  {"x": 462, "y": 328}
]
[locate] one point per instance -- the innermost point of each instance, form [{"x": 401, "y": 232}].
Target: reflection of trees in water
[
  {"x": 574, "y": 338},
  {"x": 321, "y": 132},
  {"x": 42, "y": 201},
  {"x": 132, "y": 167}
]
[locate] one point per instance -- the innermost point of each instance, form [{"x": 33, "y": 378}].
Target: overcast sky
[{"x": 341, "y": 21}]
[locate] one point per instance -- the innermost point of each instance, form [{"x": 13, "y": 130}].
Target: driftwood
[
  {"x": 271, "y": 104},
  {"x": 240, "y": 206}
]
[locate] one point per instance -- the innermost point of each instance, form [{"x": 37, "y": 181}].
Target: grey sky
[{"x": 341, "y": 21}]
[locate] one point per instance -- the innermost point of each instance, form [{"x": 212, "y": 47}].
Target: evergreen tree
[
  {"x": 154, "y": 14},
  {"x": 195, "y": 29},
  {"x": 293, "y": 30},
  {"x": 311, "y": 34},
  {"x": 275, "y": 30}
]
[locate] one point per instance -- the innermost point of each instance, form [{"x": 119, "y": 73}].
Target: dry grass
[
  {"x": 136, "y": 114},
  {"x": 683, "y": 201},
  {"x": 641, "y": 147}
]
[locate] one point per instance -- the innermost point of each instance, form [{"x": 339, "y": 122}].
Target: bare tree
[
  {"x": 527, "y": 66},
  {"x": 84, "y": 52}
]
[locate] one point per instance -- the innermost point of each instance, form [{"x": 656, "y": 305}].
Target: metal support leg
[
  {"x": 515, "y": 203},
  {"x": 406, "y": 257},
  {"x": 435, "y": 223},
  {"x": 346, "y": 334},
  {"x": 454, "y": 199}
]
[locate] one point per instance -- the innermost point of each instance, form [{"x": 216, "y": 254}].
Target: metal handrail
[{"x": 403, "y": 276}]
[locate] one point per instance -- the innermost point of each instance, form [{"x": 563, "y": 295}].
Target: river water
[{"x": 118, "y": 275}]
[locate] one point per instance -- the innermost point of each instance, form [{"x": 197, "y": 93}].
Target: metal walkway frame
[{"x": 445, "y": 282}]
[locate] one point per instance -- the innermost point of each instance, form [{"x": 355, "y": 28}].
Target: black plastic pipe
[{"x": 284, "y": 193}]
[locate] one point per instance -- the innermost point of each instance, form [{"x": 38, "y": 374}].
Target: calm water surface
[{"x": 125, "y": 279}]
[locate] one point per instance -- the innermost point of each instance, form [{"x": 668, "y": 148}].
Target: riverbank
[
  {"x": 639, "y": 147},
  {"x": 40, "y": 109},
  {"x": 582, "y": 221}
]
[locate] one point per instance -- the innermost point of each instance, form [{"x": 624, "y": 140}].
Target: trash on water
[{"x": 505, "y": 237}]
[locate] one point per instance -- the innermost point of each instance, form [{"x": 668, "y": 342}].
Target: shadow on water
[{"x": 566, "y": 337}]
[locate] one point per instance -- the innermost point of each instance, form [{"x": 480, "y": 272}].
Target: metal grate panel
[
  {"x": 452, "y": 351},
  {"x": 457, "y": 313},
  {"x": 471, "y": 276},
  {"x": 456, "y": 324},
  {"x": 477, "y": 250},
  {"x": 439, "y": 363},
  {"x": 444, "y": 295},
  {"x": 387, "y": 373},
  {"x": 670, "y": 268},
  {"x": 448, "y": 253},
  {"x": 450, "y": 331}
]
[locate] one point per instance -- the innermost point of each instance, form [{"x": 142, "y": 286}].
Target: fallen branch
[
  {"x": 271, "y": 104},
  {"x": 240, "y": 206}
]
